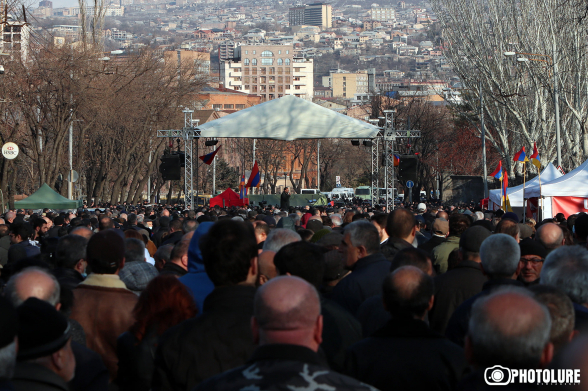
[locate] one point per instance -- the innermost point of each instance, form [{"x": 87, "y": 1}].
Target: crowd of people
[{"x": 154, "y": 297}]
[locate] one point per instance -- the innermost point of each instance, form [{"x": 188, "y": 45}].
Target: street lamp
[{"x": 555, "y": 93}]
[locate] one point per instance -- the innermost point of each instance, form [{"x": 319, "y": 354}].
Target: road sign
[
  {"x": 410, "y": 184},
  {"x": 338, "y": 179},
  {"x": 10, "y": 150},
  {"x": 74, "y": 176}
]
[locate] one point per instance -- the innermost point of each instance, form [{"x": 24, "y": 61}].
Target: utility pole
[
  {"x": 483, "y": 143},
  {"x": 556, "y": 104}
]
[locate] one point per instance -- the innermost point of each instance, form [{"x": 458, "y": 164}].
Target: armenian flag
[
  {"x": 498, "y": 172},
  {"x": 521, "y": 156},
  {"x": 242, "y": 189},
  {"x": 207, "y": 159},
  {"x": 505, "y": 200},
  {"x": 255, "y": 177},
  {"x": 535, "y": 159},
  {"x": 396, "y": 160}
]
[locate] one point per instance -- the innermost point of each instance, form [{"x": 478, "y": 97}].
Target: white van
[
  {"x": 342, "y": 192},
  {"x": 309, "y": 191}
]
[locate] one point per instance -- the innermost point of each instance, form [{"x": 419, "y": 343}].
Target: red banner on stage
[{"x": 568, "y": 205}]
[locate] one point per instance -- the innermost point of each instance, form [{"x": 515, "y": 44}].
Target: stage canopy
[
  {"x": 515, "y": 194},
  {"x": 573, "y": 184},
  {"x": 288, "y": 118},
  {"x": 46, "y": 197}
]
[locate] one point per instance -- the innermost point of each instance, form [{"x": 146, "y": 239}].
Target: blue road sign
[{"x": 410, "y": 184}]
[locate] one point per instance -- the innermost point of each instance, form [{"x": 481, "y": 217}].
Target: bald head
[
  {"x": 442, "y": 215},
  {"x": 408, "y": 292},
  {"x": 33, "y": 282},
  {"x": 287, "y": 310},
  {"x": 510, "y": 328},
  {"x": 551, "y": 236}
]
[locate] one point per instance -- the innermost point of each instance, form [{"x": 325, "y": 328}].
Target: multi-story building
[
  {"x": 317, "y": 14},
  {"x": 346, "y": 85},
  {"x": 270, "y": 71},
  {"x": 200, "y": 60},
  {"x": 15, "y": 37},
  {"x": 382, "y": 14}
]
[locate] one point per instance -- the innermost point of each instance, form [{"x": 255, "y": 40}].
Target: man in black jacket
[
  {"x": 401, "y": 228},
  {"x": 360, "y": 248},
  {"x": 70, "y": 259},
  {"x": 288, "y": 326},
  {"x": 406, "y": 354},
  {"x": 341, "y": 329},
  {"x": 440, "y": 231},
  {"x": 460, "y": 283},
  {"x": 220, "y": 338},
  {"x": 178, "y": 260},
  {"x": 500, "y": 254},
  {"x": 285, "y": 200}
]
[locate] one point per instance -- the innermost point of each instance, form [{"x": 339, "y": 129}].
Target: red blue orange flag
[
  {"x": 242, "y": 189},
  {"x": 255, "y": 177},
  {"x": 521, "y": 156},
  {"x": 208, "y": 158},
  {"x": 535, "y": 159},
  {"x": 498, "y": 172},
  {"x": 396, "y": 160}
]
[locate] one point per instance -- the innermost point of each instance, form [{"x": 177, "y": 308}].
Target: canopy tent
[
  {"x": 228, "y": 198},
  {"x": 46, "y": 197},
  {"x": 515, "y": 194},
  {"x": 288, "y": 118},
  {"x": 567, "y": 194}
]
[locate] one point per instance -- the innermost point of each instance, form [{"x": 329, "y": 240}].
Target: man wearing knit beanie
[
  {"x": 45, "y": 359},
  {"x": 533, "y": 255},
  {"x": 103, "y": 305}
]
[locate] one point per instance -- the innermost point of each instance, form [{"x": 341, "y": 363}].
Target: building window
[
  {"x": 246, "y": 51},
  {"x": 287, "y": 52},
  {"x": 254, "y": 62},
  {"x": 246, "y": 86},
  {"x": 280, "y": 61},
  {"x": 287, "y": 62},
  {"x": 262, "y": 79},
  {"x": 272, "y": 71},
  {"x": 279, "y": 52},
  {"x": 239, "y": 106},
  {"x": 267, "y": 53},
  {"x": 227, "y": 106},
  {"x": 246, "y": 61},
  {"x": 254, "y": 52},
  {"x": 295, "y": 87},
  {"x": 217, "y": 107},
  {"x": 267, "y": 61}
]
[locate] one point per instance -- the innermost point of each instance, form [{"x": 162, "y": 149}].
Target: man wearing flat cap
[
  {"x": 102, "y": 303},
  {"x": 45, "y": 359}
]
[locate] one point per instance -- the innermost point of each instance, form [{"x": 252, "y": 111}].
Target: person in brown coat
[{"x": 103, "y": 304}]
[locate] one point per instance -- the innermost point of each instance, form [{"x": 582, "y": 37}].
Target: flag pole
[
  {"x": 540, "y": 196},
  {"x": 524, "y": 185},
  {"x": 502, "y": 192}
]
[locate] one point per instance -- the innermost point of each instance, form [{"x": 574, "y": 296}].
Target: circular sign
[
  {"x": 410, "y": 184},
  {"x": 10, "y": 150},
  {"x": 74, "y": 176}
]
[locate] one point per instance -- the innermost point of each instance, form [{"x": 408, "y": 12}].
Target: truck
[{"x": 363, "y": 192}]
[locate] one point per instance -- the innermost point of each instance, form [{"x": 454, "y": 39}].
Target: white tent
[
  {"x": 515, "y": 194},
  {"x": 288, "y": 118},
  {"x": 567, "y": 194}
]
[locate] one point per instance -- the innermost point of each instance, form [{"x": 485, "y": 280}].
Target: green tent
[{"x": 46, "y": 197}]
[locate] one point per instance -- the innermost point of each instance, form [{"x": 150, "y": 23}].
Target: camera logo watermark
[{"x": 501, "y": 376}]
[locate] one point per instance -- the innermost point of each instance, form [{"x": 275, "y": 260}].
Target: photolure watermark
[{"x": 501, "y": 376}]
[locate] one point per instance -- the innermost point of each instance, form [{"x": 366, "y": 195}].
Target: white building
[{"x": 270, "y": 71}]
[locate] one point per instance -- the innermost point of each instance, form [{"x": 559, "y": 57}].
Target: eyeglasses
[{"x": 533, "y": 261}]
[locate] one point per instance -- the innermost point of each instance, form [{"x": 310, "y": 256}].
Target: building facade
[
  {"x": 346, "y": 85},
  {"x": 270, "y": 71},
  {"x": 382, "y": 14},
  {"x": 317, "y": 14},
  {"x": 15, "y": 38}
]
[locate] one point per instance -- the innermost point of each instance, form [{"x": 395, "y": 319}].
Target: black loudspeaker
[
  {"x": 170, "y": 167},
  {"x": 407, "y": 169}
]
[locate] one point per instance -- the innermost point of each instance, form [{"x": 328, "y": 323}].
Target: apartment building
[
  {"x": 346, "y": 85},
  {"x": 270, "y": 71},
  {"x": 317, "y": 14},
  {"x": 15, "y": 37},
  {"x": 382, "y": 14}
]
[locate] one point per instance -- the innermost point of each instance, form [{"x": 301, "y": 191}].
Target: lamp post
[{"x": 555, "y": 91}]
